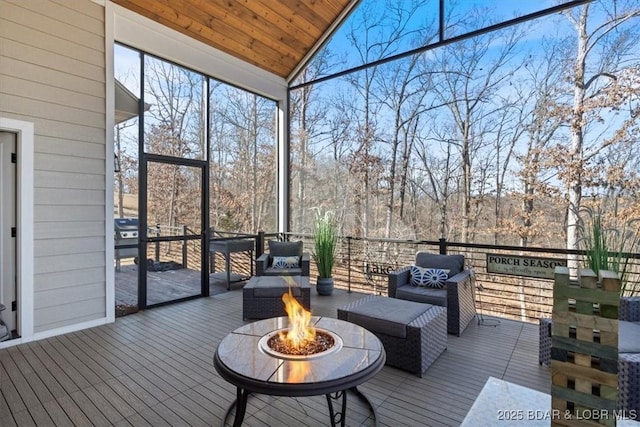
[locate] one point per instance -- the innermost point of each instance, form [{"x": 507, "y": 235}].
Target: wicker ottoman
[
  {"x": 544, "y": 345},
  {"x": 413, "y": 334},
  {"x": 629, "y": 382},
  {"x": 262, "y": 295},
  {"x": 629, "y": 366}
]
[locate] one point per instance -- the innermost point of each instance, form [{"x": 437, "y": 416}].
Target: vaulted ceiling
[{"x": 275, "y": 35}]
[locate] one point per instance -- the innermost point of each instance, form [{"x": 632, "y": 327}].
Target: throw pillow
[
  {"x": 286, "y": 261},
  {"x": 429, "y": 277}
]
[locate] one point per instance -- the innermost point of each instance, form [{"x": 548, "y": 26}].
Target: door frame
[
  {"x": 8, "y": 287},
  {"x": 144, "y": 239},
  {"x": 24, "y": 225}
]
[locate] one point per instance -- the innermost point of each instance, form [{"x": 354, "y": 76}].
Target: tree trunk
[
  {"x": 304, "y": 100},
  {"x": 254, "y": 164},
  {"x": 575, "y": 161},
  {"x": 466, "y": 183},
  {"x": 120, "y": 183}
]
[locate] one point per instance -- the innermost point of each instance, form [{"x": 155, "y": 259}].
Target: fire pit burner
[{"x": 325, "y": 342}]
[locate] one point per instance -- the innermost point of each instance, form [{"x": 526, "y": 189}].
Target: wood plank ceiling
[{"x": 274, "y": 35}]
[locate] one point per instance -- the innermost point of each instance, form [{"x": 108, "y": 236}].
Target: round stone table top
[{"x": 240, "y": 361}]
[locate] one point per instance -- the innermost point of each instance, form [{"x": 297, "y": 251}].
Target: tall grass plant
[{"x": 325, "y": 244}]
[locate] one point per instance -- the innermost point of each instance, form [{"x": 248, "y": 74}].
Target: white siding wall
[{"x": 52, "y": 73}]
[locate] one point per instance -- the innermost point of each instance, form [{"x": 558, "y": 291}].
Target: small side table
[{"x": 227, "y": 247}]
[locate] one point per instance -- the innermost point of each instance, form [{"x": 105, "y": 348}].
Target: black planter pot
[{"x": 324, "y": 285}]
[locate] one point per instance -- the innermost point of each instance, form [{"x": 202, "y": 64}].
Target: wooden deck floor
[
  {"x": 168, "y": 285},
  {"x": 154, "y": 368}
]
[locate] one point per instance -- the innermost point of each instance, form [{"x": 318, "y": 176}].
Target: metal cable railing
[{"x": 363, "y": 264}]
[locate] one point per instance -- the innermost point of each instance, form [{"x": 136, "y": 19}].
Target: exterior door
[
  {"x": 174, "y": 250},
  {"x": 8, "y": 230}
]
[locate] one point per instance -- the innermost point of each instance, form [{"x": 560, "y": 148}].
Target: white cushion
[
  {"x": 286, "y": 262},
  {"x": 429, "y": 277}
]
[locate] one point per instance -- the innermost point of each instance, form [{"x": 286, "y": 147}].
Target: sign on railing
[
  {"x": 528, "y": 266},
  {"x": 379, "y": 269}
]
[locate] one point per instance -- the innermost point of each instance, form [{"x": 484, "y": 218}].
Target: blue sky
[{"x": 425, "y": 19}]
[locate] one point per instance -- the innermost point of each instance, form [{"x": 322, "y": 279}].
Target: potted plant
[
  {"x": 324, "y": 251},
  {"x": 609, "y": 248}
]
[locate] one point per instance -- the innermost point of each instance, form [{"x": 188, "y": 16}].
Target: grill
[
  {"x": 126, "y": 234},
  {"x": 5, "y": 334}
]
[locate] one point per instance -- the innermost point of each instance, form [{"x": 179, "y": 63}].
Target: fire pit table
[{"x": 244, "y": 359}]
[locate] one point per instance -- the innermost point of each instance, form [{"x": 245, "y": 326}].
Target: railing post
[
  {"x": 443, "y": 246},
  {"x": 349, "y": 264},
  {"x": 184, "y": 246},
  {"x": 259, "y": 244}
]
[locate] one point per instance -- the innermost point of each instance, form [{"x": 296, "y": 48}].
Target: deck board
[
  {"x": 168, "y": 285},
  {"x": 82, "y": 399},
  {"x": 73, "y": 411},
  {"x": 50, "y": 370},
  {"x": 152, "y": 418},
  {"x": 24, "y": 418},
  {"x": 58, "y": 415},
  {"x": 154, "y": 368}
]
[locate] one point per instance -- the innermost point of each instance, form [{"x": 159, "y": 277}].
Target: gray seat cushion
[
  {"x": 282, "y": 271},
  {"x": 388, "y": 316},
  {"x": 423, "y": 294},
  {"x": 628, "y": 337},
  {"x": 274, "y": 289},
  {"x": 453, "y": 263}
]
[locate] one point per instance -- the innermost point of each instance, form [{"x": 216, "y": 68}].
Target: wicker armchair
[
  {"x": 458, "y": 294},
  {"x": 266, "y": 267}
]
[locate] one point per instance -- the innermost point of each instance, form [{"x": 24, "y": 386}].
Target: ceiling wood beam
[
  {"x": 275, "y": 35},
  {"x": 235, "y": 15}
]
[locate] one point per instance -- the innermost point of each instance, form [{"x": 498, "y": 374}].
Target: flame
[
  {"x": 299, "y": 330},
  {"x": 298, "y": 371}
]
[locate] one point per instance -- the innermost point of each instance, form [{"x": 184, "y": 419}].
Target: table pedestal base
[{"x": 337, "y": 418}]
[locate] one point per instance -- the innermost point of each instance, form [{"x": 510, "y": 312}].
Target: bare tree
[
  {"x": 122, "y": 158},
  {"x": 308, "y": 109},
  {"x": 374, "y": 35},
  {"x": 250, "y": 158},
  {"x": 473, "y": 71},
  {"x": 507, "y": 134},
  {"x": 603, "y": 46},
  {"x": 440, "y": 174},
  {"x": 541, "y": 118},
  {"x": 174, "y": 127},
  {"x": 403, "y": 91}
]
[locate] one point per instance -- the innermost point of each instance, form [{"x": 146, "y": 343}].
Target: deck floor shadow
[
  {"x": 167, "y": 285},
  {"x": 154, "y": 368}
]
